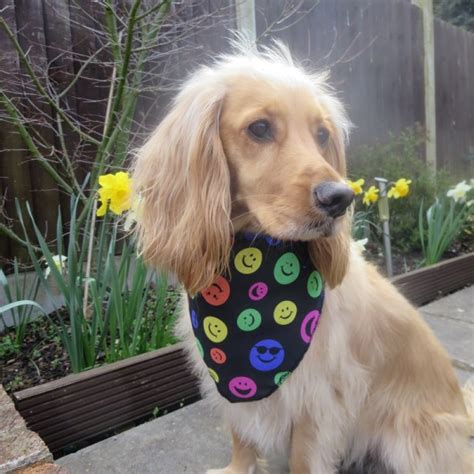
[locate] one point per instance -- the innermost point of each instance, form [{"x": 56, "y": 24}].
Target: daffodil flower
[
  {"x": 114, "y": 193},
  {"x": 59, "y": 262},
  {"x": 133, "y": 214},
  {"x": 371, "y": 196},
  {"x": 458, "y": 193},
  {"x": 399, "y": 189},
  {"x": 356, "y": 186}
]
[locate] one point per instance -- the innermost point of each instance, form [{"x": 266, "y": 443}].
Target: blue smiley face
[
  {"x": 194, "y": 319},
  {"x": 267, "y": 355}
]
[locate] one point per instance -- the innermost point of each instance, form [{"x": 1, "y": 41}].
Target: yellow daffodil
[
  {"x": 399, "y": 189},
  {"x": 356, "y": 186},
  {"x": 114, "y": 193},
  {"x": 371, "y": 196}
]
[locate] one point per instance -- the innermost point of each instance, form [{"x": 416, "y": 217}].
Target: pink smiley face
[
  {"x": 242, "y": 387},
  {"x": 258, "y": 291},
  {"x": 309, "y": 325}
]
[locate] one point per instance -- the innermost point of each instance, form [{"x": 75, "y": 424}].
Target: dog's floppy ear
[
  {"x": 182, "y": 180},
  {"x": 331, "y": 254}
]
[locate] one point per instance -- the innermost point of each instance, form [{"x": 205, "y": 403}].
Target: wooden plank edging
[
  {"x": 97, "y": 372},
  {"x": 426, "y": 284}
]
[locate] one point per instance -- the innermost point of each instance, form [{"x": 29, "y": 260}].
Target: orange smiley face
[{"x": 218, "y": 293}]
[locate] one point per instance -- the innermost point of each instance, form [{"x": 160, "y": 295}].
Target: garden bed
[{"x": 83, "y": 406}]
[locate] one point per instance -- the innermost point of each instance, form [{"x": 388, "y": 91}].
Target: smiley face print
[
  {"x": 248, "y": 260},
  {"x": 242, "y": 387},
  {"x": 249, "y": 319},
  {"x": 314, "y": 284},
  {"x": 287, "y": 268},
  {"x": 215, "y": 329},
  {"x": 258, "y": 291},
  {"x": 285, "y": 312},
  {"x": 309, "y": 325},
  {"x": 256, "y": 321},
  {"x": 267, "y": 355},
  {"x": 218, "y": 293}
]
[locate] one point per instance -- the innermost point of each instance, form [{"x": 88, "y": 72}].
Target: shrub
[{"x": 400, "y": 157}]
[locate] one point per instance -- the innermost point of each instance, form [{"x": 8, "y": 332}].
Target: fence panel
[
  {"x": 454, "y": 71},
  {"x": 374, "y": 50}
]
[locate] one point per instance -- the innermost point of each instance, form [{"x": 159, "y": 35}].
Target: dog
[{"x": 247, "y": 146}]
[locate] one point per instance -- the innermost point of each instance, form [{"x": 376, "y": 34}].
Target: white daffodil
[
  {"x": 360, "y": 245},
  {"x": 133, "y": 214},
  {"x": 458, "y": 193},
  {"x": 59, "y": 262}
]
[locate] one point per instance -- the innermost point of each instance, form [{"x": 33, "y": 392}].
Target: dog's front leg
[
  {"x": 244, "y": 458},
  {"x": 309, "y": 454}
]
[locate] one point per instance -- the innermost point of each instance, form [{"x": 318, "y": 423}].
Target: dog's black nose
[{"x": 333, "y": 197}]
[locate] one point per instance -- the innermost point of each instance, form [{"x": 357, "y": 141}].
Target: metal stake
[{"x": 384, "y": 214}]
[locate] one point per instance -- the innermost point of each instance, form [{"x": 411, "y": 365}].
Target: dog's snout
[{"x": 333, "y": 197}]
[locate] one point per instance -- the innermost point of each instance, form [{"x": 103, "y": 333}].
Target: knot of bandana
[{"x": 254, "y": 324}]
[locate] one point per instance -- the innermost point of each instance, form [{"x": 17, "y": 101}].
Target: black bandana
[{"x": 254, "y": 325}]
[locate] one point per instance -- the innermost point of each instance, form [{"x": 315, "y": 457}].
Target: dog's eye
[
  {"x": 260, "y": 130},
  {"x": 322, "y": 136}
]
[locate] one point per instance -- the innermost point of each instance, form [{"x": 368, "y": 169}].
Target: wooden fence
[{"x": 374, "y": 49}]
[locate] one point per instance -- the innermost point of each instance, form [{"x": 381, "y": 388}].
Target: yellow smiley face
[
  {"x": 214, "y": 375},
  {"x": 248, "y": 260},
  {"x": 215, "y": 329},
  {"x": 285, "y": 312}
]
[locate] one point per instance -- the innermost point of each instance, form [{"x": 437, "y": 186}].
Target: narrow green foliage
[
  {"x": 125, "y": 314},
  {"x": 439, "y": 226},
  {"x": 20, "y": 293}
]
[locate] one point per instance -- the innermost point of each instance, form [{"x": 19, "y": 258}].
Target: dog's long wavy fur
[{"x": 374, "y": 380}]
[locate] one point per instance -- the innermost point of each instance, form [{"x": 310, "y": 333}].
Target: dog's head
[{"x": 252, "y": 143}]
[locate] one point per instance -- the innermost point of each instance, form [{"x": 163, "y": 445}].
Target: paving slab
[
  {"x": 459, "y": 306},
  {"x": 19, "y": 447},
  {"x": 189, "y": 441},
  {"x": 192, "y": 440},
  {"x": 452, "y": 320}
]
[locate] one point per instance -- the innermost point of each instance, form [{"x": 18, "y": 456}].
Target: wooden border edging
[
  {"x": 85, "y": 405},
  {"x": 426, "y": 284}
]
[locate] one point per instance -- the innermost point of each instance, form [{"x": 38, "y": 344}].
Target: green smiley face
[
  {"x": 200, "y": 348},
  {"x": 249, "y": 319},
  {"x": 287, "y": 268},
  {"x": 280, "y": 377},
  {"x": 315, "y": 284}
]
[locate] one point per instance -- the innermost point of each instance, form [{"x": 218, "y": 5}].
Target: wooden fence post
[
  {"x": 245, "y": 18},
  {"x": 429, "y": 81}
]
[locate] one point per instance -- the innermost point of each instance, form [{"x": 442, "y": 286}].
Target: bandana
[{"x": 255, "y": 323}]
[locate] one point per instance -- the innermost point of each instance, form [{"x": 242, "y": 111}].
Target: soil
[
  {"x": 41, "y": 358},
  {"x": 403, "y": 262}
]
